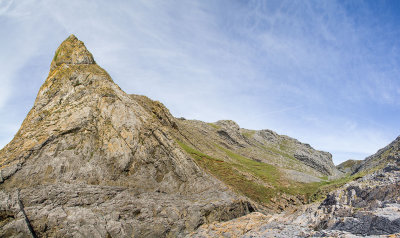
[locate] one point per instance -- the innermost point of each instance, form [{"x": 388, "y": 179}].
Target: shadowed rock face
[{"x": 89, "y": 160}]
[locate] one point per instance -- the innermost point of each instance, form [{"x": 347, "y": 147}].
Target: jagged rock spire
[
  {"x": 71, "y": 51},
  {"x": 87, "y": 140}
]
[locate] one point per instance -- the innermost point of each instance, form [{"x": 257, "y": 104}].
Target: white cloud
[{"x": 302, "y": 69}]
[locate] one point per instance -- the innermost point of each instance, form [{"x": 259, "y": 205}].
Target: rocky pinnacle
[
  {"x": 90, "y": 161},
  {"x": 72, "y": 52}
]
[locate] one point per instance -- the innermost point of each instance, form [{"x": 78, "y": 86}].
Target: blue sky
[{"x": 324, "y": 72}]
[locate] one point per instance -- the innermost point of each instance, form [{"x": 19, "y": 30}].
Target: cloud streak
[{"x": 318, "y": 71}]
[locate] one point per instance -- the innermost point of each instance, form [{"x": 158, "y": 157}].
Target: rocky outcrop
[
  {"x": 229, "y": 131},
  {"x": 349, "y": 166},
  {"x": 318, "y": 160},
  {"x": 91, "y": 160},
  {"x": 389, "y": 154},
  {"x": 264, "y": 145},
  {"x": 79, "y": 210},
  {"x": 368, "y": 206}
]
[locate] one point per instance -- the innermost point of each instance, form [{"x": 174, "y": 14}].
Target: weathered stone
[
  {"x": 91, "y": 161},
  {"x": 384, "y": 156},
  {"x": 367, "y": 207}
]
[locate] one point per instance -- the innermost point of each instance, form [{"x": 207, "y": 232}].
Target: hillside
[
  {"x": 366, "y": 204},
  {"x": 93, "y": 161},
  {"x": 273, "y": 170}
]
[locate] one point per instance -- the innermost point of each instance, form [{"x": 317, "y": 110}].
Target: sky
[{"x": 323, "y": 72}]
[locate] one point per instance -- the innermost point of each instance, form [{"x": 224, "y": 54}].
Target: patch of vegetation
[
  {"x": 327, "y": 186},
  {"x": 56, "y": 55},
  {"x": 279, "y": 151},
  {"x": 227, "y": 172},
  {"x": 284, "y": 145},
  {"x": 249, "y": 134},
  {"x": 217, "y": 127},
  {"x": 233, "y": 173},
  {"x": 348, "y": 164},
  {"x": 385, "y": 154},
  {"x": 264, "y": 171},
  {"x": 324, "y": 178}
]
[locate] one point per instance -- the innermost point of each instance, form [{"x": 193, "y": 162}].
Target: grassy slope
[{"x": 233, "y": 173}]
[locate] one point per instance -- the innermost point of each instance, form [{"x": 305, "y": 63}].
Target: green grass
[
  {"x": 327, "y": 186},
  {"x": 56, "y": 55},
  {"x": 249, "y": 134},
  {"x": 324, "y": 178},
  {"x": 226, "y": 172},
  {"x": 266, "y": 172},
  {"x": 232, "y": 173},
  {"x": 279, "y": 152},
  {"x": 214, "y": 125}
]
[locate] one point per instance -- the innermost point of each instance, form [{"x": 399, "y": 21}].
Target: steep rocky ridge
[{"x": 89, "y": 160}]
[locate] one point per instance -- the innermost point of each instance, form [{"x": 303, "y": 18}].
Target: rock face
[
  {"x": 389, "y": 154},
  {"x": 264, "y": 145},
  {"x": 349, "y": 166},
  {"x": 318, "y": 160},
  {"x": 367, "y": 206},
  {"x": 90, "y": 160}
]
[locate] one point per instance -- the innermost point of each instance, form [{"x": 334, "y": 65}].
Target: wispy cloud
[{"x": 321, "y": 71}]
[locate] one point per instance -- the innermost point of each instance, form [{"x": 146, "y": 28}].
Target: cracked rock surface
[
  {"x": 366, "y": 207},
  {"x": 90, "y": 161}
]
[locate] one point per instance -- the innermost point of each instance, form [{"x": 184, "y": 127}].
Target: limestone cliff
[{"x": 90, "y": 161}]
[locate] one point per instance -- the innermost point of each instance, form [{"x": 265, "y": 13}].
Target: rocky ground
[{"x": 366, "y": 207}]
